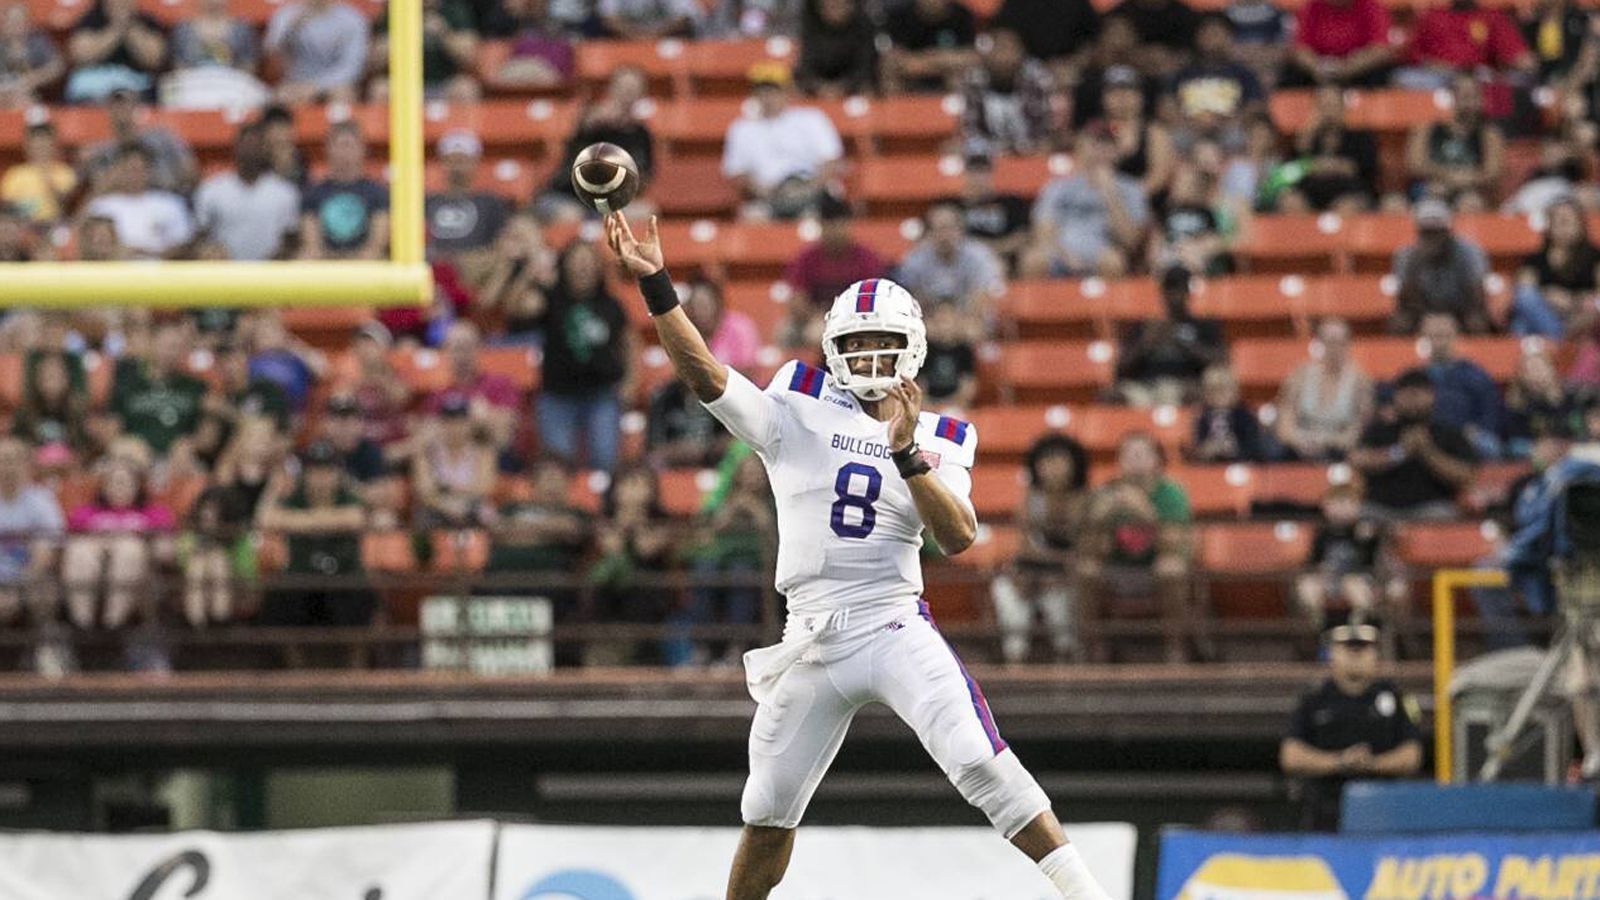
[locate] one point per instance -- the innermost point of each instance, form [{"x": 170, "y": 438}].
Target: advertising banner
[
  {"x": 1526, "y": 866},
  {"x": 570, "y": 863},
  {"x": 397, "y": 862}
]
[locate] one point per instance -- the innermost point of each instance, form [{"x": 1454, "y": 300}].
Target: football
[{"x": 605, "y": 177}]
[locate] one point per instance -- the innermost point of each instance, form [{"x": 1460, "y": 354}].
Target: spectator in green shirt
[
  {"x": 156, "y": 399},
  {"x": 1137, "y": 540},
  {"x": 321, "y": 518}
]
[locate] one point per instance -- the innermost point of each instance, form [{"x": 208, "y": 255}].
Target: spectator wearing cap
[
  {"x": 380, "y": 391},
  {"x": 172, "y": 163},
  {"x": 646, "y": 19},
  {"x": 39, "y": 186},
  {"x": 149, "y": 221},
  {"x": 588, "y": 362},
  {"x": 782, "y": 159},
  {"x": 322, "y": 48},
  {"x": 1462, "y": 158},
  {"x": 1166, "y": 29},
  {"x": 346, "y": 214},
  {"x": 1459, "y": 38},
  {"x": 931, "y": 43},
  {"x": 1441, "y": 272},
  {"x": 1143, "y": 144},
  {"x": 29, "y": 60},
  {"x": 1340, "y": 42},
  {"x": 1415, "y": 465},
  {"x": 823, "y": 269},
  {"x": 449, "y": 51},
  {"x": 1088, "y": 222},
  {"x": 342, "y": 427},
  {"x": 1161, "y": 360},
  {"x": 1010, "y": 105},
  {"x": 1355, "y": 725},
  {"x": 1113, "y": 49},
  {"x": 947, "y": 268},
  {"x": 540, "y": 54},
  {"x": 998, "y": 220},
  {"x": 613, "y": 119},
  {"x": 321, "y": 519},
  {"x": 453, "y": 471},
  {"x": 114, "y": 46},
  {"x": 838, "y": 50},
  {"x": 1214, "y": 95},
  {"x": 463, "y": 223},
  {"x": 1059, "y": 33},
  {"x": 492, "y": 399},
  {"x": 250, "y": 210}
]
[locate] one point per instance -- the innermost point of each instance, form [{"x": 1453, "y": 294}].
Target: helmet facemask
[{"x": 888, "y": 365}]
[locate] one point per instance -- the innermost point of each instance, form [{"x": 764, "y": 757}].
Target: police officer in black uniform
[{"x": 1353, "y": 726}]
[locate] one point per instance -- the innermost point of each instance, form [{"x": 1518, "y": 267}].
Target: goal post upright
[
  {"x": 403, "y": 280},
  {"x": 1445, "y": 583}
]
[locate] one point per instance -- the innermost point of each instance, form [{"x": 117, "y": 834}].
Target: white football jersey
[{"x": 848, "y": 531}]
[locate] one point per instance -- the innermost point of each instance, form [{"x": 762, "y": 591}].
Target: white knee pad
[{"x": 1005, "y": 792}]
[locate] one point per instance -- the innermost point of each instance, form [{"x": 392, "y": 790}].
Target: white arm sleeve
[
  {"x": 748, "y": 412},
  {"x": 959, "y": 480}
]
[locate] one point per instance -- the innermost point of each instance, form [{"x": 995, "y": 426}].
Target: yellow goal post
[
  {"x": 1445, "y": 584},
  {"x": 403, "y": 280}
]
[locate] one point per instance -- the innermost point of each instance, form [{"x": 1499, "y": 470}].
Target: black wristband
[
  {"x": 660, "y": 297},
  {"x": 910, "y": 462}
]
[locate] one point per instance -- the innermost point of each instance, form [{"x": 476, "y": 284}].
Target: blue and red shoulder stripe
[
  {"x": 806, "y": 380},
  {"x": 952, "y": 430}
]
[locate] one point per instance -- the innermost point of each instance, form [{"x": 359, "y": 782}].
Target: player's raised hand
[
  {"x": 904, "y": 402},
  {"x": 640, "y": 257}
]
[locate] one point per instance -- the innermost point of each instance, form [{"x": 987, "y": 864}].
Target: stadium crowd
[{"x": 523, "y": 411}]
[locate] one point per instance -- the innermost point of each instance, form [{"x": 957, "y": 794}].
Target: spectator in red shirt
[
  {"x": 1461, "y": 37},
  {"x": 1343, "y": 42},
  {"x": 822, "y": 270},
  {"x": 492, "y": 398}
]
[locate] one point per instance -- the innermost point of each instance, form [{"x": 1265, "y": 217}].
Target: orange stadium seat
[
  {"x": 1298, "y": 484},
  {"x": 1303, "y": 244},
  {"x": 695, "y": 127},
  {"x": 759, "y": 300},
  {"x": 326, "y": 327},
  {"x": 423, "y": 370},
  {"x": 1008, "y": 431},
  {"x": 1359, "y": 299},
  {"x": 1027, "y": 175},
  {"x": 1437, "y": 545},
  {"x": 681, "y": 492},
  {"x": 664, "y": 62},
  {"x": 906, "y": 185},
  {"x": 512, "y": 489},
  {"x": 1101, "y": 428},
  {"x": 1247, "y": 305},
  {"x": 459, "y": 551},
  {"x": 997, "y": 491},
  {"x": 693, "y": 187},
  {"x": 1216, "y": 491},
  {"x": 1383, "y": 110},
  {"x": 388, "y": 551},
  {"x": 515, "y": 180},
  {"x": 1054, "y": 370},
  {"x": 1057, "y": 308},
  {"x": 1262, "y": 364},
  {"x": 905, "y": 123},
  {"x": 692, "y": 245},
  {"x": 721, "y": 68},
  {"x": 519, "y": 365},
  {"x": 11, "y": 378},
  {"x": 1253, "y": 548},
  {"x": 179, "y": 494}
]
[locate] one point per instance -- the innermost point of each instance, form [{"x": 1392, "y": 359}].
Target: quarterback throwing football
[{"x": 858, "y": 471}]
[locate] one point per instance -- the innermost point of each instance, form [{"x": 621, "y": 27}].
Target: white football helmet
[{"x": 879, "y": 305}]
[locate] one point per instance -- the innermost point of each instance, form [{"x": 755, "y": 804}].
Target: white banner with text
[{"x": 603, "y": 863}]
